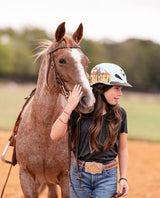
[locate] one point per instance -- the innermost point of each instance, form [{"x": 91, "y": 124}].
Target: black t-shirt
[{"x": 84, "y": 150}]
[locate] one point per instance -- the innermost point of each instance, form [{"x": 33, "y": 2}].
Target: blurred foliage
[
  {"x": 17, "y": 51},
  {"x": 139, "y": 58},
  {"x": 95, "y": 52}
]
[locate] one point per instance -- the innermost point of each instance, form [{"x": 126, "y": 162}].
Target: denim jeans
[{"x": 102, "y": 185}]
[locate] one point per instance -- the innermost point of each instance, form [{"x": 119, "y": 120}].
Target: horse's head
[{"x": 69, "y": 66}]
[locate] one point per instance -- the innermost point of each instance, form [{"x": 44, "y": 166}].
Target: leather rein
[{"x": 56, "y": 75}]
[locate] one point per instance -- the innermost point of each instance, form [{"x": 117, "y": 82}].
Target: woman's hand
[
  {"x": 74, "y": 98},
  {"x": 123, "y": 187},
  {"x": 60, "y": 126}
]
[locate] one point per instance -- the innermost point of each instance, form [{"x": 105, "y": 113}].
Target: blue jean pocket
[{"x": 111, "y": 172}]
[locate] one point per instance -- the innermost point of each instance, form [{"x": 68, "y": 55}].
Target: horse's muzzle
[{"x": 86, "y": 105}]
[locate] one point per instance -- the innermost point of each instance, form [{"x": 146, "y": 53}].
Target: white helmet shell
[{"x": 108, "y": 74}]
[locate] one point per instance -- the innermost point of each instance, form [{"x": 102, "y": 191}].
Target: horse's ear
[
  {"x": 60, "y": 32},
  {"x": 77, "y": 36}
]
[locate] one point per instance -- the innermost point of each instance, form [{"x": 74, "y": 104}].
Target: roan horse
[{"x": 41, "y": 160}]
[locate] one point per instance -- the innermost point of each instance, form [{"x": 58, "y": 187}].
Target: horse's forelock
[
  {"x": 66, "y": 39},
  {"x": 45, "y": 45}
]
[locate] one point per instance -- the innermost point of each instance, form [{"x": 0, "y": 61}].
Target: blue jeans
[{"x": 102, "y": 185}]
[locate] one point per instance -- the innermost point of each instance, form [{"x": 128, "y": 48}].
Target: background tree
[{"x": 140, "y": 58}]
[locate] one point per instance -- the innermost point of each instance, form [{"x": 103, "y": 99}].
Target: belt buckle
[{"x": 93, "y": 167}]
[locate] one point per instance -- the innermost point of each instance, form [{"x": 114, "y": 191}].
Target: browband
[{"x": 62, "y": 47}]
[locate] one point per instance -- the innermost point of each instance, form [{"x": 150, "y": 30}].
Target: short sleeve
[{"x": 123, "y": 127}]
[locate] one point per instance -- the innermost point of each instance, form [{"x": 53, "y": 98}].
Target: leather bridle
[{"x": 56, "y": 75}]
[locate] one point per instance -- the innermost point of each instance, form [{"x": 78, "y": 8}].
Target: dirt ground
[{"x": 143, "y": 170}]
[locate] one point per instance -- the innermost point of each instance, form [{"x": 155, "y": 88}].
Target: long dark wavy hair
[{"x": 113, "y": 120}]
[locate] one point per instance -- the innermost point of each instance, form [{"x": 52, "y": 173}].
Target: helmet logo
[{"x": 99, "y": 76}]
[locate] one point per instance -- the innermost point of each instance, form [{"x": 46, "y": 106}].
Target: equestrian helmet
[{"x": 108, "y": 74}]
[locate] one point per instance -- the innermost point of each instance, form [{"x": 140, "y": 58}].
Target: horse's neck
[{"x": 47, "y": 106}]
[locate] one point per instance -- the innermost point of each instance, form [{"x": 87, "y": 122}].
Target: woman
[{"x": 102, "y": 135}]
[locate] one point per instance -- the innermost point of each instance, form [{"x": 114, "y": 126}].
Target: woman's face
[{"x": 113, "y": 94}]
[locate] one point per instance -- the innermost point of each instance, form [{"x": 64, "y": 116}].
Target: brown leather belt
[{"x": 95, "y": 168}]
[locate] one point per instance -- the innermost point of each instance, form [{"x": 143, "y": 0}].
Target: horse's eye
[{"x": 62, "y": 61}]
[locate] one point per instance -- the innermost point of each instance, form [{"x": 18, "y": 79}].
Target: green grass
[
  {"x": 143, "y": 118},
  {"x": 143, "y": 111},
  {"x": 11, "y": 101}
]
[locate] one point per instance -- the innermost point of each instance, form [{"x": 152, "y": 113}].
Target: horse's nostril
[
  {"x": 85, "y": 105},
  {"x": 83, "y": 100}
]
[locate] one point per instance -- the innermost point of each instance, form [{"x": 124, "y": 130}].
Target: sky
[{"x": 115, "y": 20}]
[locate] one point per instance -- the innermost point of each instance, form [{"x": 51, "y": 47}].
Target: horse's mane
[{"x": 42, "y": 48}]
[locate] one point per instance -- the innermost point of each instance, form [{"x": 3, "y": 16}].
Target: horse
[{"x": 41, "y": 160}]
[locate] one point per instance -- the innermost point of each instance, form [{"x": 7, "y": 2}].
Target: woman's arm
[
  {"x": 60, "y": 126},
  {"x": 123, "y": 163}
]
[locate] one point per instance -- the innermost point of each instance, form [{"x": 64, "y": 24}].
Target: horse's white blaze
[{"x": 85, "y": 83}]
